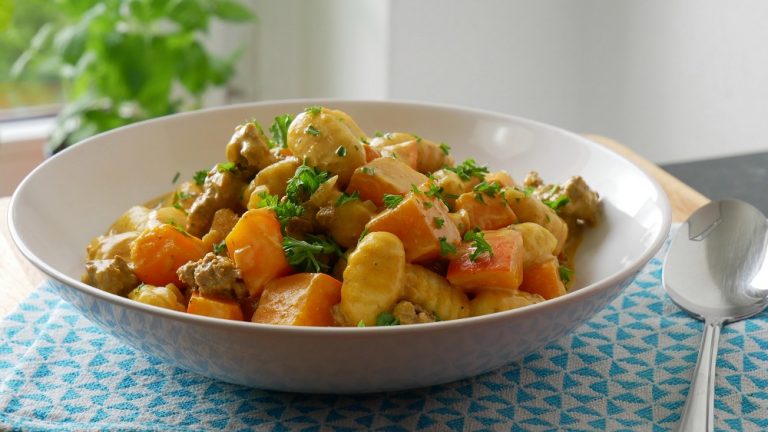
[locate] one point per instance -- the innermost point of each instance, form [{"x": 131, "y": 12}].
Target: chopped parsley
[
  {"x": 558, "y": 203},
  {"x": 439, "y": 222},
  {"x": 279, "y": 130},
  {"x": 304, "y": 183},
  {"x": 344, "y": 198},
  {"x": 445, "y": 148},
  {"x": 362, "y": 234},
  {"x": 199, "y": 177},
  {"x": 386, "y": 319},
  {"x": 368, "y": 170},
  {"x": 176, "y": 177},
  {"x": 225, "y": 167},
  {"x": 361, "y": 323},
  {"x": 310, "y": 255},
  {"x": 312, "y": 130},
  {"x": 341, "y": 151},
  {"x": 478, "y": 244},
  {"x": 426, "y": 204},
  {"x": 314, "y": 109},
  {"x": 566, "y": 274},
  {"x": 418, "y": 138},
  {"x": 364, "y": 140},
  {"x": 220, "y": 248},
  {"x": 529, "y": 190},
  {"x": 378, "y": 134},
  {"x": 284, "y": 210},
  {"x": 446, "y": 249},
  {"x": 468, "y": 169},
  {"x": 490, "y": 189},
  {"x": 392, "y": 201}
]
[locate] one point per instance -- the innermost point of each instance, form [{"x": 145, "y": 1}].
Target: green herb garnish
[
  {"x": 344, "y": 198},
  {"x": 445, "y": 148},
  {"x": 304, "y": 183},
  {"x": 368, "y": 170},
  {"x": 220, "y": 248},
  {"x": 199, "y": 177},
  {"x": 225, "y": 167},
  {"x": 446, "y": 249},
  {"x": 284, "y": 210},
  {"x": 314, "y": 109},
  {"x": 279, "y": 130},
  {"x": 361, "y": 323},
  {"x": 566, "y": 274},
  {"x": 478, "y": 243},
  {"x": 558, "y": 203},
  {"x": 386, "y": 319},
  {"x": 341, "y": 151},
  {"x": 303, "y": 255},
  {"x": 468, "y": 169},
  {"x": 176, "y": 177},
  {"x": 312, "y": 130},
  {"x": 439, "y": 222},
  {"x": 490, "y": 189},
  {"x": 392, "y": 201}
]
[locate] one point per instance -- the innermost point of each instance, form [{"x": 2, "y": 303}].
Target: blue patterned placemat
[{"x": 628, "y": 368}]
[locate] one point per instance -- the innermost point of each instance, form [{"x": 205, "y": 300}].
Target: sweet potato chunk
[
  {"x": 489, "y": 214},
  {"x": 421, "y": 223},
  {"x": 384, "y": 176},
  {"x": 503, "y": 270},
  {"x": 303, "y": 299},
  {"x": 543, "y": 279},
  {"x": 158, "y": 252},
  {"x": 255, "y": 244},
  {"x": 216, "y": 307}
]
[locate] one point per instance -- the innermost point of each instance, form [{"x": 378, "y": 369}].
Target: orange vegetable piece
[
  {"x": 384, "y": 176},
  {"x": 159, "y": 251},
  {"x": 303, "y": 299},
  {"x": 420, "y": 222},
  {"x": 216, "y": 307},
  {"x": 370, "y": 153},
  {"x": 255, "y": 244},
  {"x": 490, "y": 214},
  {"x": 503, "y": 270},
  {"x": 406, "y": 152},
  {"x": 543, "y": 279}
]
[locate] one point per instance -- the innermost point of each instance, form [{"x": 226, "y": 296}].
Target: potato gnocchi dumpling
[{"x": 313, "y": 222}]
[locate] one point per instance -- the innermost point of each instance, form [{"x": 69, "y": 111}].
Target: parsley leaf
[
  {"x": 445, "y": 148},
  {"x": 220, "y": 248},
  {"x": 368, "y": 170},
  {"x": 199, "y": 177},
  {"x": 386, "y": 319},
  {"x": 312, "y": 130},
  {"x": 310, "y": 255},
  {"x": 314, "y": 109},
  {"x": 341, "y": 151},
  {"x": 490, "y": 189},
  {"x": 468, "y": 169},
  {"x": 392, "y": 201},
  {"x": 344, "y": 198},
  {"x": 566, "y": 274},
  {"x": 479, "y": 244},
  {"x": 361, "y": 323},
  {"x": 439, "y": 222},
  {"x": 446, "y": 249},
  {"x": 284, "y": 210},
  {"x": 558, "y": 203},
  {"x": 279, "y": 130},
  {"x": 175, "y": 177},
  {"x": 225, "y": 167},
  {"x": 304, "y": 183}
]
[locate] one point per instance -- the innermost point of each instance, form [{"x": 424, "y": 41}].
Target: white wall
[{"x": 674, "y": 79}]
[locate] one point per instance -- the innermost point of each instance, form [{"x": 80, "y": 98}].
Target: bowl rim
[{"x": 247, "y": 326}]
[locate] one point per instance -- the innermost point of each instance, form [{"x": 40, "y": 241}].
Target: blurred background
[{"x": 675, "y": 80}]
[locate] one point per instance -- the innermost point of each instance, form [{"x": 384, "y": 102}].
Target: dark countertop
[{"x": 743, "y": 177}]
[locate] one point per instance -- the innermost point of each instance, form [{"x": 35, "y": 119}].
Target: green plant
[{"x": 123, "y": 61}]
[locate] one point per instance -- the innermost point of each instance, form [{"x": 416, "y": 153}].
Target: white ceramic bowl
[{"x": 76, "y": 195}]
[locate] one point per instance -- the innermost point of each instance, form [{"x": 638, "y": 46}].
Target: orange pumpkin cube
[
  {"x": 216, "y": 307},
  {"x": 302, "y": 299},
  {"x": 159, "y": 251},
  {"x": 406, "y": 152},
  {"x": 543, "y": 279},
  {"x": 503, "y": 270},
  {"x": 255, "y": 244},
  {"x": 421, "y": 223},
  {"x": 489, "y": 214},
  {"x": 383, "y": 176}
]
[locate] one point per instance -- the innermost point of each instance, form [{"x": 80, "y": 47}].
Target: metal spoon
[{"x": 716, "y": 270}]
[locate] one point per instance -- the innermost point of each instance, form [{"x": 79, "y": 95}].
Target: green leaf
[
  {"x": 392, "y": 201},
  {"x": 344, "y": 198},
  {"x": 304, "y": 183},
  {"x": 446, "y": 249},
  {"x": 386, "y": 319},
  {"x": 468, "y": 169},
  {"x": 228, "y": 10},
  {"x": 479, "y": 244},
  {"x": 279, "y": 130},
  {"x": 199, "y": 177},
  {"x": 310, "y": 255}
]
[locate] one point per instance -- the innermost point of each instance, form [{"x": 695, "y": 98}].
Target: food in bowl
[{"x": 321, "y": 225}]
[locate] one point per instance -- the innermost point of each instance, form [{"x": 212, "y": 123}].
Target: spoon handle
[{"x": 699, "y": 411}]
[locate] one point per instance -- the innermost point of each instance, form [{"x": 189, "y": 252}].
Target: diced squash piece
[
  {"x": 255, "y": 244},
  {"x": 159, "y": 251},
  {"x": 215, "y": 307},
  {"x": 384, "y": 176},
  {"x": 433, "y": 292},
  {"x": 489, "y": 214},
  {"x": 406, "y": 152},
  {"x": 303, "y": 299},
  {"x": 543, "y": 279},
  {"x": 492, "y": 301},
  {"x": 370, "y": 153},
  {"x": 373, "y": 279},
  {"x": 502, "y": 271},
  {"x": 421, "y": 222},
  {"x": 431, "y": 156}
]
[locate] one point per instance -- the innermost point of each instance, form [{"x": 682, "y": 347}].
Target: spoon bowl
[{"x": 716, "y": 270}]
